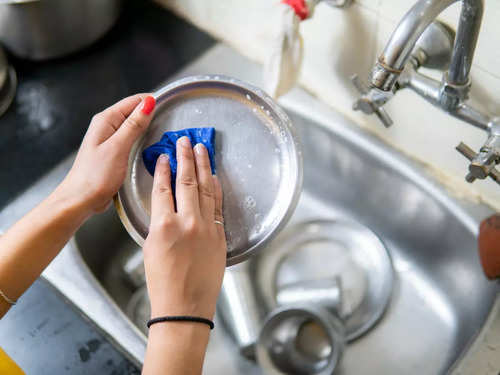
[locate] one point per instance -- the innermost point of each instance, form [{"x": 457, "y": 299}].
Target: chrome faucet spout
[
  {"x": 421, "y": 41},
  {"x": 398, "y": 50}
]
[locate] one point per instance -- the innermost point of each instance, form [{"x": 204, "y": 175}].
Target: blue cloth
[{"x": 167, "y": 145}]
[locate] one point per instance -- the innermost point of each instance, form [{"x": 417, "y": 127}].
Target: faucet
[{"x": 421, "y": 41}]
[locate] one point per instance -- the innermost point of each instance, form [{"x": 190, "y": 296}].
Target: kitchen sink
[
  {"x": 441, "y": 297},
  {"x": 440, "y": 301}
]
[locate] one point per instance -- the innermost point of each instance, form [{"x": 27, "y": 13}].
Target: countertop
[
  {"x": 52, "y": 109},
  {"x": 45, "y": 336}
]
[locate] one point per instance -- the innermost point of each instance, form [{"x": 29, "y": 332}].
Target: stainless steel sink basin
[{"x": 441, "y": 299}]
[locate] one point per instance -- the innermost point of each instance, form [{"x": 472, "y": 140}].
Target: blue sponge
[{"x": 167, "y": 145}]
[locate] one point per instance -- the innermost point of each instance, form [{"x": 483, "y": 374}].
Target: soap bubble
[{"x": 250, "y": 202}]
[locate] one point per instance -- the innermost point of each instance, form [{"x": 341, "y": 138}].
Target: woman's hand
[
  {"x": 99, "y": 170},
  {"x": 101, "y": 163},
  {"x": 185, "y": 259},
  {"x": 185, "y": 252}
]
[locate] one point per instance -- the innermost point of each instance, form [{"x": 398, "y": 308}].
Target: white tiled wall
[{"x": 339, "y": 43}]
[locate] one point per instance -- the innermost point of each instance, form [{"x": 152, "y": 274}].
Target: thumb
[{"x": 136, "y": 123}]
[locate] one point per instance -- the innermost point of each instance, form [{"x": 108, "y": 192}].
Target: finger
[
  {"x": 187, "y": 183},
  {"x": 106, "y": 123},
  {"x": 218, "y": 206},
  {"x": 162, "y": 201},
  {"x": 135, "y": 124},
  {"x": 205, "y": 181}
]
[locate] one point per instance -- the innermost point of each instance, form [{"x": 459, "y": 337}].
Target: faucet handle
[
  {"x": 482, "y": 164},
  {"x": 371, "y": 101},
  {"x": 383, "y": 116}
]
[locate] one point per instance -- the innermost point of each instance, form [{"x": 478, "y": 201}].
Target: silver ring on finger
[{"x": 219, "y": 222}]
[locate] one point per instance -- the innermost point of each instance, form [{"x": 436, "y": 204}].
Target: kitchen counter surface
[
  {"x": 45, "y": 336},
  {"x": 53, "y": 106}
]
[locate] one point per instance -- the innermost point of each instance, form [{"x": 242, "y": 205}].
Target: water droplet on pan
[{"x": 250, "y": 202}]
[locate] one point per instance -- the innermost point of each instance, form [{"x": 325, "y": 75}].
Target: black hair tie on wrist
[{"x": 181, "y": 318}]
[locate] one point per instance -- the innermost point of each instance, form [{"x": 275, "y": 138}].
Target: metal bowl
[
  {"x": 300, "y": 339},
  {"x": 258, "y": 159},
  {"x": 322, "y": 249}
]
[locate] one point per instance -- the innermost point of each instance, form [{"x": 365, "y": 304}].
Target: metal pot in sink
[{"x": 44, "y": 29}]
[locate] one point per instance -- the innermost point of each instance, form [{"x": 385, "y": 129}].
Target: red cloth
[{"x": 299, "y": 6}]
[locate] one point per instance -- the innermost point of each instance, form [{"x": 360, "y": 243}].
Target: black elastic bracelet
[{"x": 181, "y": 318}]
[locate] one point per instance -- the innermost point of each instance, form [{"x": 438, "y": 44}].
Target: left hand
[{"x": 101, "y": 164}]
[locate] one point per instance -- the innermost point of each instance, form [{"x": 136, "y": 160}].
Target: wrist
[
  {"x": 191, "y": 323},
  {"x": 186, "y": 334},
  {"x": 164, "y": 308},
  {"x": 68, "y": 201}
]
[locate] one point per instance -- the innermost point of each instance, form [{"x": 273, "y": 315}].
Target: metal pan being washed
[{"x": 258, "y": 159}]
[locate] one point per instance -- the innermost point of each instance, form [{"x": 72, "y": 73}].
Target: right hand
[{"x": 185, "y": 251}]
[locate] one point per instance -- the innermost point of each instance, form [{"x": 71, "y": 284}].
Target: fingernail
[
  {"x": 163, "y": 159},
  {"x": 184, "y": 141},
  {"x": 148, "y": 104},
  {"x": 200, "y": 149}
]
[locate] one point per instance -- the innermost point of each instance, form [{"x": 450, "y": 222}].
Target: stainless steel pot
[
  {"x": 44, "y": 29},
  {"x": 300, "y": 339}
]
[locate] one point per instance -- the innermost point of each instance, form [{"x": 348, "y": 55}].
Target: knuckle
[
  {"x": 207, "y": 191},
  {"x": 162, "y": 189},
  {"x": 188, "y": 181},
  {"x": 164, "y": 222},
  {"x": 134, "y": 124},
  {"x": 192, "y": 226},
  {"x": 97, "y": 117}
]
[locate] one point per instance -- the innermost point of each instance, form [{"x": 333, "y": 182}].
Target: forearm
[
  {"x": 97, "y": 173},
  {"x": 176, "y": 348},
  {"x": 31, "y": 244}
]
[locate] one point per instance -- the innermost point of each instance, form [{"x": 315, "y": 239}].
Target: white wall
[{"x": 339, "y": 43}]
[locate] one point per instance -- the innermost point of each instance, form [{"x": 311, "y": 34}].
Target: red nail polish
[
  {"x": 148, "y": 105},
  {"x": 299, "y": 6}
]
